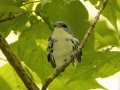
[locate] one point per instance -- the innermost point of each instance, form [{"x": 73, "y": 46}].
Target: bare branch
[
  {"x": 16, "y": 64},
  {"x": 50, "y": 79},
  {"x": 10, "y": 17}
]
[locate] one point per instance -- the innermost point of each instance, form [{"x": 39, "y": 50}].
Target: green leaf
[
  {"x": 43, "y": 2},
  {"x": 10, "y": 9},
  {"x": 66, "y": 12},
  {"x": 33, "y": 19},
  {"x": 100, "y": 42},
  {"x": 93, "y": 2},
  {"x": 33, "y": 75},
  {"x": 114, "y": 4},
  {"x": 105, "y": 36},
  {"x": 20, "y": 23},
  {"x": 69, "y": 1},
  {"x": 114, "y": 9},
  {"x": 20, "y": 2},
  {"x": 5, "y": 28},
  {"x": 9, "y": 80},
  {"x": 31, "y": 48},
  {"x": 85, "y": 84},
  {"x": 110, "y": 11},
  {"x": 97, "y": 64},
  {"x": 60, "y": 82},
  {"x": 111, "y": 14},
  {"x": 7, "y": 2}
]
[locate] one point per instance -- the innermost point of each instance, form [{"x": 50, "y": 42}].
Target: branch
[
  {"x": 12, "y": 17},
  {"x": 50, "y": 79},
  {"x": 16, "y": 64}
]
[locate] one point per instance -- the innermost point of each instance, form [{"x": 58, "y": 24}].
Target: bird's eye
[{"x": 64, "y": 26}]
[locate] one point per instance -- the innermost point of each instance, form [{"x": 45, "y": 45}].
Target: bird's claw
[{"x": 72, "y": 57}]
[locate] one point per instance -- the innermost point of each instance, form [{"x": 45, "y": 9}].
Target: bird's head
[{"x": 64, "y": 25}]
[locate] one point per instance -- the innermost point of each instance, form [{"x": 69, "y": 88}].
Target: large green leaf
[
  {"x": 5, "y": 28},
  {"x": 9, "y": 80},
  {"x": 110, "y": 11},
  {"x": 85, "y": 84},
  {"x": 105, "y": 36},
  {"x": 60, "y": 82},
  {"x": 7, "y": 25},
  {"x": 6, "y": 2},
  {"x": 10, "y": 9},
  {"x": 20, "y": 23},
  {"x": 31, "y": 48},
  {"x": 43, "y": 2},
  {"x": 74, "y": 13},
  {"x": 97, "y": 64}
]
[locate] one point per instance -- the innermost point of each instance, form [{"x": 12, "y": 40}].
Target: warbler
[{"x": 61, "y": 45}]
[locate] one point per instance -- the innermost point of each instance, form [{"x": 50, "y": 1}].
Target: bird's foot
[
  {"x": 58, "y": 71},
  {"x": 72, "y": 57}
]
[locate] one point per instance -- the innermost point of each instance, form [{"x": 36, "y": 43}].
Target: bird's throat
[{"x": 60, "y": 34}]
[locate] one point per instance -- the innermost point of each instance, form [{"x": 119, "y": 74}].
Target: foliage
[{"x": 36, "y": 26}]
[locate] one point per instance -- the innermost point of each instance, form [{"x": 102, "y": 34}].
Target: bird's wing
[
  {"x": 76, "y": 44},
  {"x": 49, "y": 52}
]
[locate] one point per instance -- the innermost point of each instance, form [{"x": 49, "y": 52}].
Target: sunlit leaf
[
  {"x": 9, "y": 80},
  {"x": 97, "y": 64},
  {"x": 43, "y": 2},
  {"x": 20, "y": 23},
  {"x": 104, "y": 36},
  {"x": 31, "y": 49},
  {"x": 110, "y": 11}
]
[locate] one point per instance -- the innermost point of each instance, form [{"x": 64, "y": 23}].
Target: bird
[{"x": 62, "y": 45}]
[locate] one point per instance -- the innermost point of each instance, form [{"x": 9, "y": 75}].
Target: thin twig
[
  {"x": 50, "y": 79},
  {"x": 16, "y": 64},
  {"x": 12, "y": 17}
]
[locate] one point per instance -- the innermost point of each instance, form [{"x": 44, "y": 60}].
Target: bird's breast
[
  {"x": 60, "y": 34},
  {"x": 62, "y": 50},
  {"x": 62, "y": 47}
]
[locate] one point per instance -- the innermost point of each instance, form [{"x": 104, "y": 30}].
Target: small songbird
[{"x": 61, "y": 45}]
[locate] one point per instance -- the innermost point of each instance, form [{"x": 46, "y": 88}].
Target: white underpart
[{"x": 62, "y": 49}]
